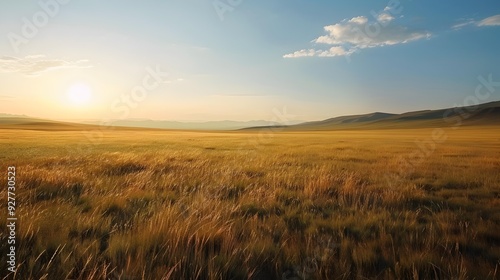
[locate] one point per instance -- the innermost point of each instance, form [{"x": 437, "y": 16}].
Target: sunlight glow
[{"x": 79, "y": 95}]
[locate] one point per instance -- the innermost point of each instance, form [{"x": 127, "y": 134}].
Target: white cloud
[
  {"x": 333, "y": 51},
  {"x": 358, "y": 20},
  {"x": 301, "y": 53},
  {"x": 368, "y": 35},
  {"x": 490, "y": 21},
  {"x": 385, "y": 17},
  {"x": 358, "y": 33},
  {"x": 463, "y": 24},
  {"x": 36, "y": 64}
]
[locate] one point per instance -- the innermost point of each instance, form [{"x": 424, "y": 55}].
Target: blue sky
[{"x": 243, "y": 60}]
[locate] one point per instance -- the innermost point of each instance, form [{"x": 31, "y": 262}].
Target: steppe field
[{"x": 346, "y": 204}]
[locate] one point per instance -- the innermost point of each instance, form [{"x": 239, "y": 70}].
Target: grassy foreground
[{"x": 318, "y": 205}]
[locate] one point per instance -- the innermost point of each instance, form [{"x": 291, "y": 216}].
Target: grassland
[{"x": 145, "y": 204}]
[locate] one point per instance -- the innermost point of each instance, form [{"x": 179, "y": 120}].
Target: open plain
[{"x": 350, "y": 204}]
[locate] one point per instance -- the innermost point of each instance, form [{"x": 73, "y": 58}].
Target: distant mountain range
[
  {"x": 210, "y": 125},
  {"x": 25, "y": 122},
  {"x": 2, "y": 115},
  {"x": 483, "y": 114}
]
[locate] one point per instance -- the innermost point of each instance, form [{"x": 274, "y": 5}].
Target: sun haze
[
  {"x": 79, "y": 95},
  {"x": 226, "y": 60}
]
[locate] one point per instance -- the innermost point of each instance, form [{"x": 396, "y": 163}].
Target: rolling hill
[
  {"x": 483, "y": 114},
  {"x": 28, "y": 123}
]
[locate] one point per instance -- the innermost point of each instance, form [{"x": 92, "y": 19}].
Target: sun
[{"x": 79, "y": 95}]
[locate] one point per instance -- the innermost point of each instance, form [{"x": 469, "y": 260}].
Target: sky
[{"x": 207, "y": 60}]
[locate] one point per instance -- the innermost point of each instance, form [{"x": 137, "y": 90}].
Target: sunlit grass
[{"x": 318, "y": 205}]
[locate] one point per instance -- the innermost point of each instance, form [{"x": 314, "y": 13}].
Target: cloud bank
[
  {"x": 352, "y": 35},
  {"x": 37, "y": 64}
]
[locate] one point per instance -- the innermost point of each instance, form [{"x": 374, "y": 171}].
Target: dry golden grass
[{"x": 243, "y": 205}]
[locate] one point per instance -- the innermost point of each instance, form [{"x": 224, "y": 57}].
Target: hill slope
[
  {"x": 483, "y": 114},
  {"x": 27, "y": 123}
]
